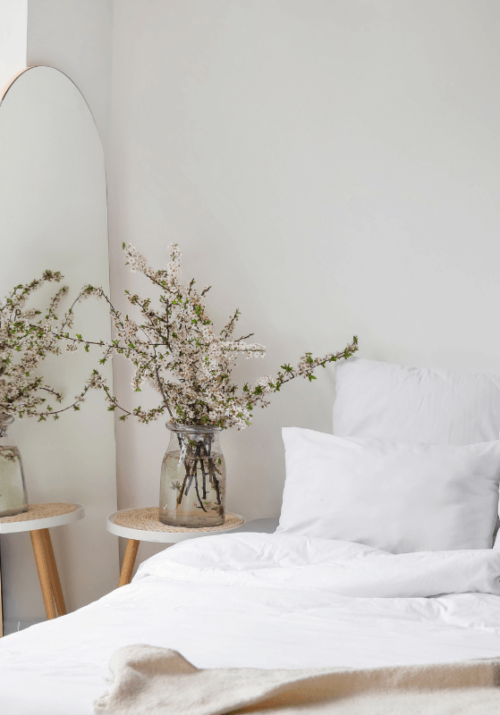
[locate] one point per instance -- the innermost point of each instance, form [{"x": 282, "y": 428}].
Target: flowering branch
[
  {"x": 26, "y": 338},
  {"x": 176, "y": 349}
]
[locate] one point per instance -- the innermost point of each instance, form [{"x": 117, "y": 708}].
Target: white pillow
[
  {"x": 407, "y": 404},
  {"x": 395, "y": 496}
]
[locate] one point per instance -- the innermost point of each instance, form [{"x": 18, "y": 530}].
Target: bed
[
  {"x": 253, "y": 599},
  {"x": 273, "y": 604}
]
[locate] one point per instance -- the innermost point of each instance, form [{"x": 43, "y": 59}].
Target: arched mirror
[{"x": 53, "y": 215}]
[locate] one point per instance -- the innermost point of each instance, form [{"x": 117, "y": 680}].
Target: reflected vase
[
  {"x": 193, "y": 478},
  {"x": 13, "y": 496}
]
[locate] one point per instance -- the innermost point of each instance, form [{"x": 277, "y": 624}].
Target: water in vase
[
  {"x": 13, "y": 498},
  {"x": 192, "y": 488}
]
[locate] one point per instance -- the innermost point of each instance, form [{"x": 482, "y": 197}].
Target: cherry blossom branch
[
  {"x": 191, "y": 366},
  {"x": 27, "y": 336}
]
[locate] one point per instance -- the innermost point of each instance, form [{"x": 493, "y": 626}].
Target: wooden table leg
[
  {"x": 53, "y": 574},
  {"x": 128, "y": 562},
  {"x": 43, "y": 573}
]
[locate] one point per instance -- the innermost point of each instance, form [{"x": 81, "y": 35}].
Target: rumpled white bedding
[
  {"x": 340, "y": 567},
  {"x": 263, "y": 601}
]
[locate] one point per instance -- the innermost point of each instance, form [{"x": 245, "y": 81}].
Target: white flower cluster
[
  {"x": 26, "y": 338},
  {"x": 177, "y": 350}
]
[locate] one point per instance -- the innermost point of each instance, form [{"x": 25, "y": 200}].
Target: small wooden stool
[
  {"x": 138, "y": 525},
  {"x": 38, "y": 520}
]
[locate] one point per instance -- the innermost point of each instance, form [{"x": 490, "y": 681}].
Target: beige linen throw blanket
[{"x": 147, "y": 680}]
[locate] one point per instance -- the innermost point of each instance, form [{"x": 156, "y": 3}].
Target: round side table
[
  {"x": 138, "y": 525},
  {"x": 38, "y": 520}
]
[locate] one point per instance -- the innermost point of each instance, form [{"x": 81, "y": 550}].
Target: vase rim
[{"x": 175, "y": 427}]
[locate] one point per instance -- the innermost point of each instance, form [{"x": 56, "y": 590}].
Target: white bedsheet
[{"x": 267, "y": 601}]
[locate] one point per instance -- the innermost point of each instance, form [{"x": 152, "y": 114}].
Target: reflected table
[{"x": 38, "y": 520}]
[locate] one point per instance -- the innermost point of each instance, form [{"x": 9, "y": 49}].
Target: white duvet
[{"x": 266, "y": 601}]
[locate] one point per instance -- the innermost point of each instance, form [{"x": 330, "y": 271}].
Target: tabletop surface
[
  {"x": 118, "y": 524},
  {"x": 147, "y": 520},
  {"x": 144, "y": 525},
  {"x": 41, "y": 516}
]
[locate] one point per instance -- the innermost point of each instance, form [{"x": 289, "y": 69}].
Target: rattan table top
[
  {"x": 41, "y": 516},
  {"x": 144, "y": 525},
  {"x": 40, "y": 511}
]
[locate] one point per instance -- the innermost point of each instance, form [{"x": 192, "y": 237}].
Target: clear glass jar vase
[
  {"x": 13, "y": 496},
  {"x": 193, "y": 478}
]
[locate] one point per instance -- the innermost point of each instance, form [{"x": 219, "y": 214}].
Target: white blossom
[
  {"x": 26, "y": 338},
  {"x": 177, "y": 350}
]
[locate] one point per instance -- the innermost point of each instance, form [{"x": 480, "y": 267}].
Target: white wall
[
  {"x": 13, "y": 35},
  {"x": 74, "y": 36},
  {"x": 331, "y": 167}
]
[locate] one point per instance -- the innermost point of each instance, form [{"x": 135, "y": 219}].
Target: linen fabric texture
[
  {"x": 147, "y": 680},
  {"x": 306, "y": 564},
  {"x": 396, "y": 496},
  {"x": 272, "y": 601}
]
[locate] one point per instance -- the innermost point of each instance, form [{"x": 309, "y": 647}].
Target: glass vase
[
  {"x": 13, "y": 496},
  {"x": 193, "y": 478}
]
